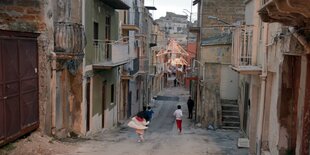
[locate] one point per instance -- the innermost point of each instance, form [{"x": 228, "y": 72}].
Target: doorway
[{"x": 103, "y": 103}]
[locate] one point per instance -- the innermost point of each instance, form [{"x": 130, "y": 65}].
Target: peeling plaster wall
[
  {"x": 69, "y": 97},
  {"x": 274, "y": 126},
  {"x": 218, "y": 77},
  {"x": 254, "y": 97},
  {"x": 215, "y": 54},
  {"x": 34, "y": 16},
  {"x": 69, "y": 101}
]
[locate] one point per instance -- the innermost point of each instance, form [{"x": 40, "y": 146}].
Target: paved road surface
[{"x": 162, "y": 137}]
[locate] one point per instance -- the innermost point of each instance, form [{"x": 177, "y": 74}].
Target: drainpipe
[
  {"x": 53, "y": 93},
  {"x": 261, "y": 105},
  {"x": 301, "y": 39}
]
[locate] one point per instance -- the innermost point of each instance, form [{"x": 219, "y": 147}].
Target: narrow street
[
  {"x": 75, "y": 76},
  {"x": 162, "y": 137}
]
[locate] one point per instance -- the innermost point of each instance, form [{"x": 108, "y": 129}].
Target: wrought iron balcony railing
[
  {"x": 242, "y": 53},
  {"x": 69, "y": 37}
]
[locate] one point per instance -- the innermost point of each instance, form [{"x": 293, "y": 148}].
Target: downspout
[
  {"x": 301, "y": 39},
  {"x": 53, "y": 93},
  {"x": 261, "y": 105}
]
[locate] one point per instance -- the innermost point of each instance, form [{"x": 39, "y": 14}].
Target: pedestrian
[
  {"x": 190, "y": 106},
  {"x": 144, "y": 114},
  {"x": 149, "y": 112},
  {"x": 175, "y": 82},
  {"x": 178, "y": 117},
  {"x": 140, "y": 124}
]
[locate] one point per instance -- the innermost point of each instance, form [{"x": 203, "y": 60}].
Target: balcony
[
  {"x": 69, "y": 38},
  {"x": 108, "y": 55},
  {"x": 288, "y": 12},
  {"x": 242, "y": 54}
]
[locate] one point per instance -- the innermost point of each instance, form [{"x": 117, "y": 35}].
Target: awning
[{"x": 116, "y": 4}]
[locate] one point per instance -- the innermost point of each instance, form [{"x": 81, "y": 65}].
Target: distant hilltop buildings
[{"x": 175, "y": 27}]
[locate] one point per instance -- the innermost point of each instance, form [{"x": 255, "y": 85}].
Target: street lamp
[
  {"x": 218, "y": 19},
  {"x": 190, "y": 14}
]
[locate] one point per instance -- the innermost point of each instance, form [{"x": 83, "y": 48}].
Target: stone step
[
  {"x": 230, "y": 127},
  {"x": 229, "y": 107},
  {"x": 231, "y": 118},
  {"x": 230, "y": 113},
  {"x": 231, "y": 123},
  {"x": 229, "y": 102}
]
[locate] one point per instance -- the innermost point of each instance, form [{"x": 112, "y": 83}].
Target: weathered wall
[
  {"x": 254, "y": 97},
  {"x": 274, "y": 126},
  {"x": 108, "y": 78},
  {"x": 306, "y": 115},
  {"x": 288, "y": 105},
  {"x": 68, "y": 86},
  {"x": 211, "y": 94},
  {"x": 216, "y": 51},
  {"x": 229, "y": 83},
  {"x": 229, "y": 11},
  {"x": 34, "y": 16},
  {"x": 216, "y": 54},
  {"x": 69, "y": 102}
]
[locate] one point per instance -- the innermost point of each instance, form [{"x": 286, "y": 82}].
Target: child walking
[{"x": 178, "y": 117}]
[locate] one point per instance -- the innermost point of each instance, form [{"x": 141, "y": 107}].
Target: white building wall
[{"x": 229, "y": 83}]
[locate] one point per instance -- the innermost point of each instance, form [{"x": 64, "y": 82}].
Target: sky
[{"x": 175, "y": 6}]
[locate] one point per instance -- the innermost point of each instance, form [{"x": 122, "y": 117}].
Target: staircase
[{"x": 230, "y": 115}]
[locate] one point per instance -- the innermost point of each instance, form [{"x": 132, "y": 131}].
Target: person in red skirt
[{"x": 178, "y": 117}]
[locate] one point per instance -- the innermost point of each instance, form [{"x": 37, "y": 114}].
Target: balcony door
[{"x": 108, "y": 48}]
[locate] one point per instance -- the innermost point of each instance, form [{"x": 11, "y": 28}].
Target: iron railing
[
  {"x": 242, "y": 46},
  {"x": 108, "y": 51},
  {"x": 102, "y": 51},
  {"x": 69, "y": 37}
]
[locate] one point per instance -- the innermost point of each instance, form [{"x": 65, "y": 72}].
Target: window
[
  {"x": 96, "y": 32},
  {"x": 108, "y": 37},
  {"x": 125, "y": 17},
  {"x": 112, "y": 93},
  {"x": 137, "y": 98}
]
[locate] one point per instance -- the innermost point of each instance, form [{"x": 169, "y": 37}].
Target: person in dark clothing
[
  {"x": 175, "y": 82},
  {"x": 149, "y": 112},
  {"x": 190, "y": 106},
  {"x": 143, "y": 114}
]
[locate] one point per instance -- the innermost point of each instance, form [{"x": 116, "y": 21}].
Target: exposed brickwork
[
  {"x": 229, "y": 11},
  {"x": 29, "y": 16},
  {"x": 20, "y": 15}
]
